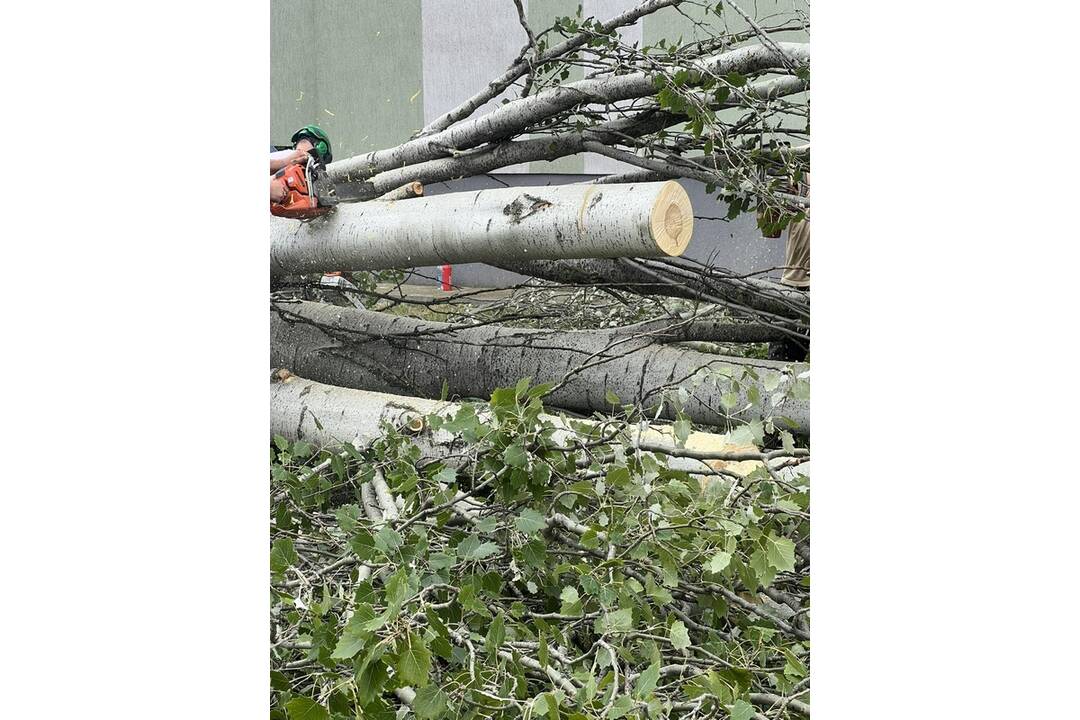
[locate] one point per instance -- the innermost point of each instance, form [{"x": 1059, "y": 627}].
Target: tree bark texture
[
  {"x": 508, "y": 224},
  {"x": 326, "y": 416},
  {"x": 682, "y": 281},
  {"x": 549, "y": 147},
  {"x": 516, "y": 115},
  {"x": 375, "y": 351}
]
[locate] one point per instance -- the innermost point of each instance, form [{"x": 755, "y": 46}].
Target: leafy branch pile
[{"x": 527, "y": 575}]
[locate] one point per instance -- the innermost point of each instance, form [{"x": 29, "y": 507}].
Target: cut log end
[{"x": 672, "y": 219}]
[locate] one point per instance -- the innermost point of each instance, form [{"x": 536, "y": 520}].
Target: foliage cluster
[{"x": 523, "y": 575}]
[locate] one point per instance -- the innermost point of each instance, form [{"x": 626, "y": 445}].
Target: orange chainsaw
[{"x": 309, "y": 190}]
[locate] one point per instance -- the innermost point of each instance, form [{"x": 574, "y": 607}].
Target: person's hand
[
  {"x": 278, "y": 191},
  {"x": 298, "y": 157}
]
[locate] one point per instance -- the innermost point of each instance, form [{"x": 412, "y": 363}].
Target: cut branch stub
[{"x": 501, "y": 225}]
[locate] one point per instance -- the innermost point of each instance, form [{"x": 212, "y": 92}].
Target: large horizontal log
[
  {"x": 327, "y": 416},
  {"x": 504, "y": 224},
  {"x": 375, "y": 351}
]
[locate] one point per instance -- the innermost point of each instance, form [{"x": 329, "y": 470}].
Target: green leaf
[
  {"x": 763, "y": 572},
  {"x": 622, "y": 705},
  {"x": 282, "y": 555},
  {"x": 571, "y": 602},
  {"x": 590, "y": 539},
  {"x": 446, "y": 475},
  {"x": 680, "y": 638},
  {"x": 738, "y": 679},
  {"x": 397, "y": 589},
  {"x": 530, "y": 522},
  {"x": 356, "y": 633},
  {"x": 646, "y": 682},
  {"x": 430, "y": 703},
  {"x": 496, "y": 634},
  {"x": 347, "y": 516},
  {"x": 304, "y": 708},
  {"x": 471, "y": 548},
  {"x": 742, "y": 710},
  {"x": 794, "y": 667},
  {"x": 514, "y": 456},
  {"x": 372, "y": 677},
  {"x": 656, "y": 592},
  {"x": 388, "y": 539},
  {"x": 534, "y": 553},
  {"x": 619, "y": 621},
  {"x": 553, "y": 707},
  {"x": 718, "y": 562},
  {"x": 736, "y": 79},
  {"x": 540, "y": 390},
  {"x": 279, "y": 680},
  {"x": 611, "y": 398},
  {"x": 414, "y": 660},
  {"x": 682, "y": 429},
  {"x": 780, "y": 553}
]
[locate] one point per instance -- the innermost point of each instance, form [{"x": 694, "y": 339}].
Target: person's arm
[{"x": 283, "y": 158}]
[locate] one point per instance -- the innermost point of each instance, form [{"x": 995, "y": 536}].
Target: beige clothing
[{"x": 797, "y": 255}]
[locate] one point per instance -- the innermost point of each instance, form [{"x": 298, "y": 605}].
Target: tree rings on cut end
[{"x": 672, "y": 219}]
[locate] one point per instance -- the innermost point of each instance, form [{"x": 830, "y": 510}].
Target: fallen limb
[
  {"x": 642, "y": 220},
  {"x": 374, "y": 351}
]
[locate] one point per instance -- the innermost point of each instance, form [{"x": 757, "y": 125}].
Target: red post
[{"x": 446, "y": 272}]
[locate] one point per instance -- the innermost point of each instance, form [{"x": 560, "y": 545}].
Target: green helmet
[{"x": 318, "y": 138}]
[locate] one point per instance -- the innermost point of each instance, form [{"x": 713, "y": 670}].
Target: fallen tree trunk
[
  {"x": 327, "y": 416},
  {"x": 641, "y": 220},
  {"x": 375, "y": 351}
]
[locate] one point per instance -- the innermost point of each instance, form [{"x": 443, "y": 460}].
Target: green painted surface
[
  {"x": 353, "y": 68},
  {"x": 541, "y": 15}
]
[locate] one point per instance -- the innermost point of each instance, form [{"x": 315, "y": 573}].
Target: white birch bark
[
  {"x": 504, "y": 224},
  {"x": 548, "y": 147},
  {"x": 375, "y": 351},
  {"x": 327, "y": 416},
  {"x": 517, "y": 115}
]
